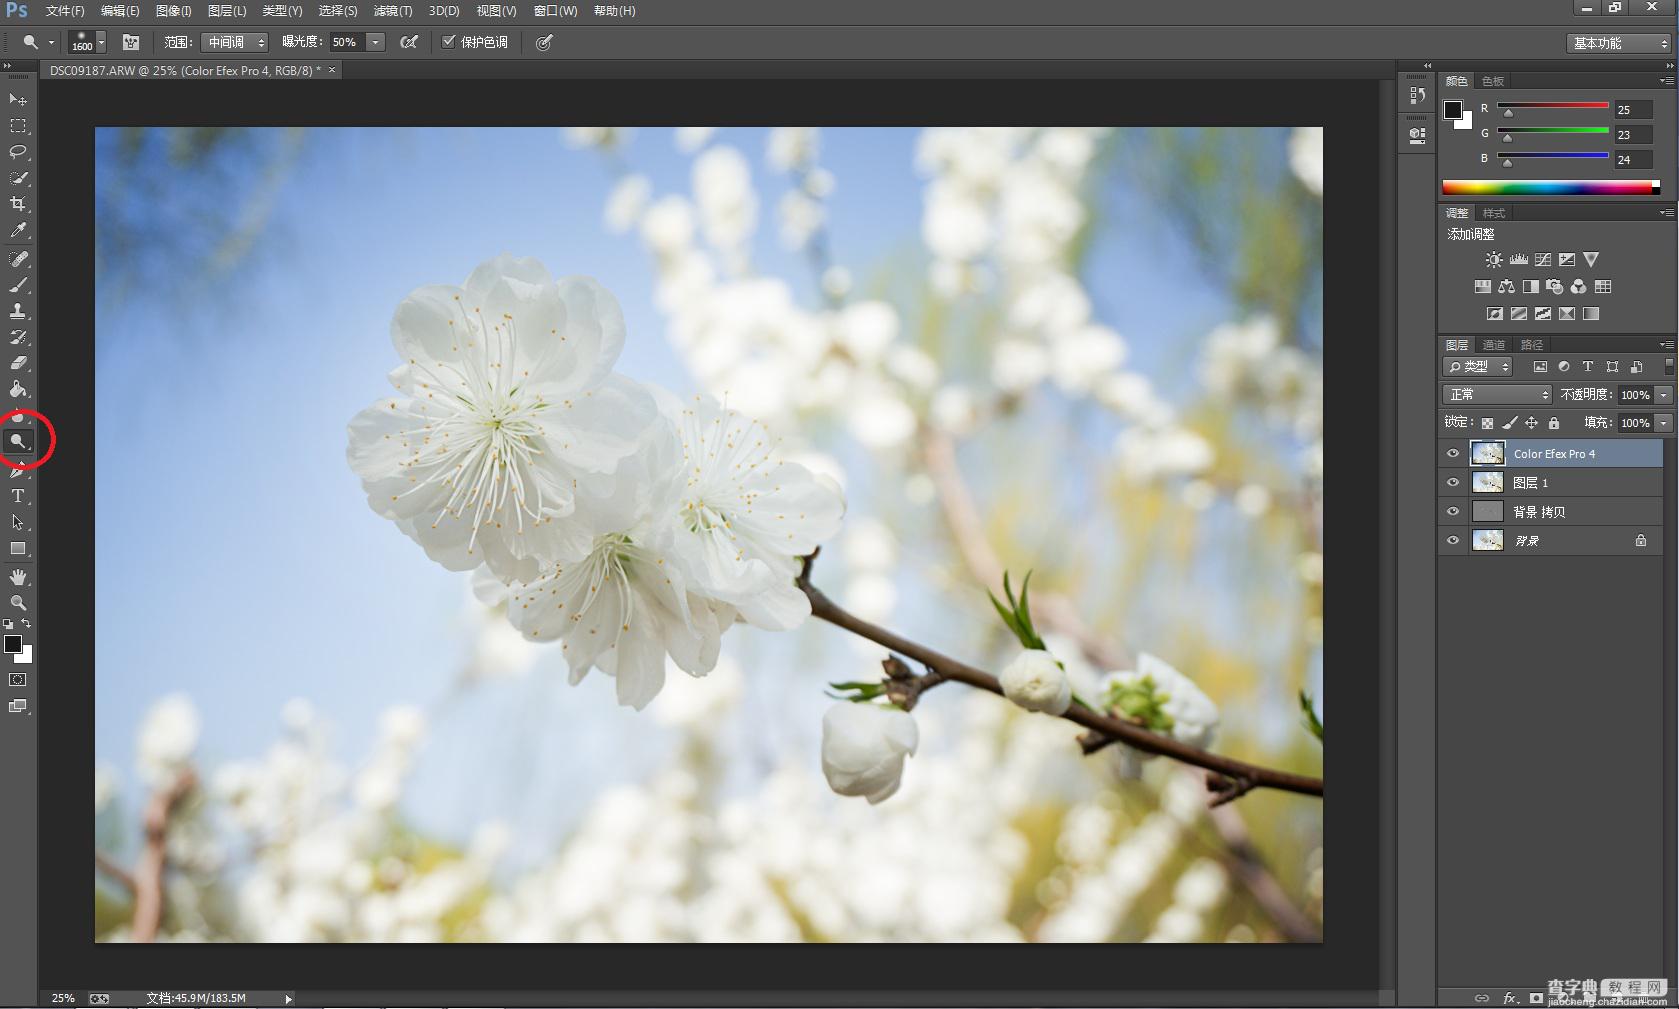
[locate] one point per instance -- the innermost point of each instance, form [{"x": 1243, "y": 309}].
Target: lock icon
[
  {"x": 1640, "y": 541},
  {"x": 1554, "y": 424}
]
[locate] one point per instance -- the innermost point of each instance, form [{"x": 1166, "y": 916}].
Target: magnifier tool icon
[
  {"x": 29, "y": 40},
  {"x": 18, "y": 602}
]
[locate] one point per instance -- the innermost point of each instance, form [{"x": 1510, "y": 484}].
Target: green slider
[{"x": 1553, "y": 129}]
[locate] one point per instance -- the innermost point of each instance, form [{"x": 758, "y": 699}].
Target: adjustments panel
[{"x": 1554, "y": 338}]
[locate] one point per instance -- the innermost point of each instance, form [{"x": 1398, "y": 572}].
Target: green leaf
[
  {"x": 856, "y": 690},
  {"x": 1008, "y": 616},
  {"x": 1022, "y": 609},
  {"x": 1016, "y": 616},
  {"x": 1314, "y": 725}
]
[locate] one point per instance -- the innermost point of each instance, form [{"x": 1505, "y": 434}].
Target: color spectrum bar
[
  {"x": 1553, "y": 154},
  {"x": 1553, "y": 105},
  {"x": 1550, "y": 187}
]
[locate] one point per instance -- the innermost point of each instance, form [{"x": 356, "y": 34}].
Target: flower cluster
[
  {"x": 618, "y": 519},
  {"x": 744, "y": 334},
  {"x": 309, "y": 849},
  {"x": 294, "y": 847},
  {"x": 676, "y": 860}
]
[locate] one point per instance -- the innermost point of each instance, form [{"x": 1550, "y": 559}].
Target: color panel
[{"x": 1550, "y": 187}]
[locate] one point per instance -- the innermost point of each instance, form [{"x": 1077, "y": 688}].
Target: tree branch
[
  {"x": 122, "y": 877},
  {"x": 154, "y": 857},
  {"x": 1106, "y": 727}
]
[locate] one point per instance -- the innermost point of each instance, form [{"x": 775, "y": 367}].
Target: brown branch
[
  {"x": 1103, "y": 725},
  {"x": 154, "y": 857},
  {"x": 118, "y": 875},
  {"x": 905, "y": 688},
  {"x": 1226, "y": 789}
]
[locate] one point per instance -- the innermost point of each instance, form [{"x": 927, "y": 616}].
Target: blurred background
[{"x": 1092, "y": 354}]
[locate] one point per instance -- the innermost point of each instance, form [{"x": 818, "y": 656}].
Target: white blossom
[
  {"x": 801, "y": 217},
  {"x": 1252, "y": 500},
  {"x": 1152, "y": 453},
  {"x": 1132, "y": 396},
  {"x": 1080, "y": 358},
  {"x": 793, "y": 147},
  {"x": 819, "y": 182},
  {"x": 1236, "y": 353},
  {"x": 1192, "y": 715},
  {"x": 1036, "y": 682},
  {"x": 866, "y": 329},
  {"x": 879, "y": 418},
  {"x": 1017, "y": 365},
  {"x": 1051, "y": 306},
  {"x": 728, "y": 205},
  {"x": 1067, "y": 151},
  {"x": 1039, "y": 216},
  {"x": 627, "y": 202},
  {"x": 625, "y": 604},
  {"x": 836, "y": 282},
  {"x": 863, "y": 748},
  {"x": 1305, "y": 157},
  {"x": 912, "y": 366},
  {"x": 1197, "y": 892},
  {"x": 955, "y": 225},
  {"x": 168, "y": 737},
  {"x": 668, "y": 225},
  {"x": 955, "y": 410},
  {"x": 746, "y": 516},
  {"x": 506, "y": 410},
  {"x": 689, "y": 139}
]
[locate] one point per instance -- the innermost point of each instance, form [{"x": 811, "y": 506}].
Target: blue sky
[{"x": 236, "y": 557}]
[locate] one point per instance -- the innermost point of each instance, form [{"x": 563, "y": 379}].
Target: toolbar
[
  {"x": 1582, "y": 16},
  {"x": 26, "y": 440}
]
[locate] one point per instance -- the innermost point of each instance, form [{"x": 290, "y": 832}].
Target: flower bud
[
  {"x": 1036, "y": 682},
  {"x": 864, "y": 746},
  {"x": 1163, "y": 700}
]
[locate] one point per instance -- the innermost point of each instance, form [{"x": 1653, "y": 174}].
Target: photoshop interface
[{"x": 485, "y": 478}]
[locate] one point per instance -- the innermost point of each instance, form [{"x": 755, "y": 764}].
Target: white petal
[
  {"x": 780, "y": 608},
  {"x": 638, "y": 663},
  {"x": 430, "y": 325},
  {"x": 526, "y": 269},
  {"x": 592, "y": 431}
]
